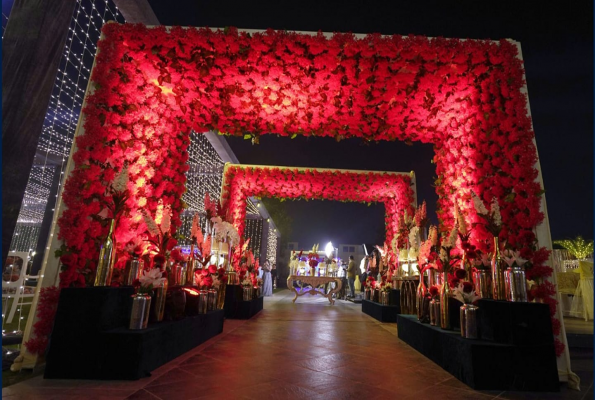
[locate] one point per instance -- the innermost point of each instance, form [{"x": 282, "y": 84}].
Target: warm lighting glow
[
  {"x": 191, "y": 291},
  {"x": 164, "y": 89},
  {"x": 159, "y": 213},
  {"x": 329, "y": 249}
]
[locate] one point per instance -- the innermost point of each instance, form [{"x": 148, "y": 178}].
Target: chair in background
[
  {"x": 13, "y": 284},
  {"x": 567, "y": 284}
]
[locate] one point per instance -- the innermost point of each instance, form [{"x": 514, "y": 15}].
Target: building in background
[{"x": 355, "y": 250}]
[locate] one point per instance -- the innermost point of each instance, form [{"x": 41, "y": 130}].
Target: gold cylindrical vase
[
  {"x": 190, "y": 268},
  {"x": 107, "y": 258},
  {"x": 159, "y": 306},
  {"x": 482, "y": 280},
  {"x": 221, "y": 295},
  {"x": 203, "y": 301},
  {"x": 212, "y": 300},
  {"x": 498, "y": 287},
  {"x": 445, "y": 293},
  {"x": 420, "y": 296},
  {"x": 133, "y": 270},
  {"x": 435, "y": 312}
]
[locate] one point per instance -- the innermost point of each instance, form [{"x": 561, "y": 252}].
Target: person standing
[
  {"x": 351, "y": 271},
  {"x": 267, "y": 283},
  {"x": 364, "y": 271}
]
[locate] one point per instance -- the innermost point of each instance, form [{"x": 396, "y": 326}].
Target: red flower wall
[
  {"x": 292, "y": 183},
  {"x": 152, "y": 86}
]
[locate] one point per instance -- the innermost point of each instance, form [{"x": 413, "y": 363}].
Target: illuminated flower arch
[
  {"x": 392, "y": 189},
  {"x": 152, "y": 86}
]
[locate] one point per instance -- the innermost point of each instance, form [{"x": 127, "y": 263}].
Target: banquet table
[{"x": 314, "y": 282}]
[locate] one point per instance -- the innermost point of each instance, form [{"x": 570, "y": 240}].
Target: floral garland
[
  {"x": 153, "y": 85},
  {"x": 46, "y": 311},
  {"x": 394, "y": 190}
]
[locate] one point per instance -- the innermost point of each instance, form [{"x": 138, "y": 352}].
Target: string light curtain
[
  {"x": 272, "y": 247},
  {"x": 62, "y": 115},
  {"x": 205, "y": 175},
  {"x": 253, "y": 231}
]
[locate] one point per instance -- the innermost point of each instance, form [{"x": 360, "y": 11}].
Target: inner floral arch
[
  {"x": 152, "y": 86},
  {"x": 243, "y": 181}
]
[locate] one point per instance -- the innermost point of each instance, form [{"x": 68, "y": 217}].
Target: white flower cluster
[
  {"x": 151, "y": 225},
  {"x": 443, "y": 255},
  {"x": 461, "y": 220},
  {"x": 225, "y": 231},
  {"x": 452, "y": 238},
  {"x": 433, "y": 235},
  {"x": 393, "y": 244},
  {"x": 495, "y": 212},
  {"x": 196, "y": 232},
  {"x": 121, "y": 181},
  {"x": 152, "y": 277},
  {"x": 414, "y": 237},
  {"x": 166, "y": 220},
  {"x": 510, "y": 257},
  {"x": 466, "y": 298},
  {"x": 478, "y": 204}
]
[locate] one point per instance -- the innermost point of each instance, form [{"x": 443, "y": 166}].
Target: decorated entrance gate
[{"x": 151, "y": 86}]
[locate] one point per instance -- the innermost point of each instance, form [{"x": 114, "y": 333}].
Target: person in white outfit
[{"x": 267, "y": 281}]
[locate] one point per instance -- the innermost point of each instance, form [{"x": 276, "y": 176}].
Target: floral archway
[
  {"x": 394, "y": 190},
  {"x": 152, "y": 86}
]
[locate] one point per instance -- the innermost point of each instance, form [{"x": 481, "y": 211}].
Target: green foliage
[{"x": 579, "y": 247}]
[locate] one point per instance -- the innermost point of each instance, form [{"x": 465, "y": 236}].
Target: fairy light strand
[
  {"x": 63, "y": 113},
  {"x": 205, "y": 175},
  {"x": 272, "y": 245}
]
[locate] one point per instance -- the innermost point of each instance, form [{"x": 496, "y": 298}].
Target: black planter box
[
  {"x": 380, "y": 312},
  {"x": 394, "y": 298},
  {"x": 481, "y": 364},
  {"x": 91, "y": 339},
  {"x": 236, "y": 308},
  {"x": 515, "y": 323}
]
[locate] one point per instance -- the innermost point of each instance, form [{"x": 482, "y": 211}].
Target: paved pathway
[{"x": 307, "y": 350}]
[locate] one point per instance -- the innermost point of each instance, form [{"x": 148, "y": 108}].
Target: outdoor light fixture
[{"x": 329, "y": 249}]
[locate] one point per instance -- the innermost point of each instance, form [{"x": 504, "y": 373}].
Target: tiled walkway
[{"x": 307, "y": 350}]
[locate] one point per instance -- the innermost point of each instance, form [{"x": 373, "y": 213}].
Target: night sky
[{"x": 557, "y": 45}]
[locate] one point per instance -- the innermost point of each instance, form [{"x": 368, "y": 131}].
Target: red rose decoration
[
  {"x": 159, "y": 259},
  {"x": 176, "y": 255},
  {"x": 434, "y": 291},
  {"x": 171, "y": 243},
  {"x": 68, "y": 259},
  {"x": 212, "y": 269},
  {"x": 460, "y": 274},
  {"x": 466, "y": 98},
  {"x": 467, "y": 287}
]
